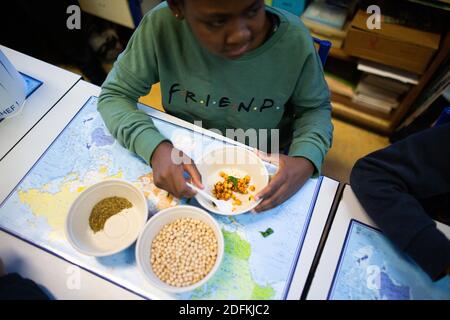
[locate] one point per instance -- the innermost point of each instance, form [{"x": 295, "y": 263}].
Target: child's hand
[
  {"x": 168, "y": 174},
  {"x": 291, "y": 175}
]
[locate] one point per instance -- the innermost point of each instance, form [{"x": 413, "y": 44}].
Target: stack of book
[
  {"x": 327, "y": 19},
  {"x": 388, "y": 72},
  {"x": 378, "y": 93}
]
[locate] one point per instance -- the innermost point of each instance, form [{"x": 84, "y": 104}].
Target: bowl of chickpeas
[
  {"x": 233, "y": 174},
  {"x": 180, "y": 249}
]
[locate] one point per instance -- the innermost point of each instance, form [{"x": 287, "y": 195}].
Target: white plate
[{"x": 235, "y": 161}]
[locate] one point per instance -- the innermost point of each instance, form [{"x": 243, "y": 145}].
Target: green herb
[
  {"x": 233, "y": 180},
  {"x": 105, "y": 209},
  {"x": 267, "y": 233}
]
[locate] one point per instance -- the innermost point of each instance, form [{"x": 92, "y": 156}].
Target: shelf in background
[
  {"x": 344, "y": 108},
  {"x": 335, "y": 97},
  {"x": 339, "y": 53}
]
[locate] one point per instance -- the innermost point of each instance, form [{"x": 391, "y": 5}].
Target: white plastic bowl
[
  {"x": 151, "y": 230},
  {"x": 120, "y": 230},
  {"x": 232, "y": 159}
]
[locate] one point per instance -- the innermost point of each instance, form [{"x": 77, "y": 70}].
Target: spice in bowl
[
  {"x": 105, "y": 209},
  {"x": 184, "y": 252}
]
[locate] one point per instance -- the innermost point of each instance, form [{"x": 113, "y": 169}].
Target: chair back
[{"x": 324, "y": 49}]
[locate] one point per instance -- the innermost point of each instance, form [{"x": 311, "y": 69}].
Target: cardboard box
[{"x": 393, "y": 45}]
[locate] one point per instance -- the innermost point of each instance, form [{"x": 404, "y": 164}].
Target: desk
[
  {"x": 120, "y": 270},
  {"x": 56, "y": 82},
  {"x": 59, "y": 278},
  {"x": 50, "y": 272},
  {"x": 359, "y": 262}
]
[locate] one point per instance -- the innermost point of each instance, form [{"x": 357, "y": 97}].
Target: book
[
  {"x": 326, "y": 30},
  {"x": 377, "y": 93},
  {"x": 326, "y": 14},
  {"x": 388, "y": 72},
  {"x": 349, "y": 5},
  {"x": 374, "y": 103},
  {"x": 386, "y": 83},
  {"x": 381, "y": 88},
  {"x": 337, "y": 99}
]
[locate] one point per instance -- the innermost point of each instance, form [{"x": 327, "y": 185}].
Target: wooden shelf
[
  {"x": 361, "y": 118},
  {"x": 339, "y": 53},
  {"x": 344, "y": 108},
  {"x": 386, "y": 125},
  {"x": 414, "y": 93},
  {"x": 338, "y": 98}
]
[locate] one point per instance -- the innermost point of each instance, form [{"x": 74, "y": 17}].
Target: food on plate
[{"x": 231, "y": 187}]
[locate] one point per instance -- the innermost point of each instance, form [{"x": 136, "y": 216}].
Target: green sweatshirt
[{"x": 279, "y": 85}]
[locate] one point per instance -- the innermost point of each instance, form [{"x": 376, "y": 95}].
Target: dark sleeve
[
  {"x": 14, "y": 287},
  {"x": 391, "y": 184}
]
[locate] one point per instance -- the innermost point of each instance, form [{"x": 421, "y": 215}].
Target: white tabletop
[
  {"x": 59, "y": 278},
  {"x": 310, "y": 246},
  {"x": 56, "y": 82},
  {"x": 18, "y": 162},
  {"x": 369, "y": 267}
]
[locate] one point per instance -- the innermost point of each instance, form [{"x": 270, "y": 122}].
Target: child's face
[{"x": 228, "y": 28}]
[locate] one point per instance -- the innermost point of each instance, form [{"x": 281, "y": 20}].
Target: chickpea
[{"x": 180, "y": 251}]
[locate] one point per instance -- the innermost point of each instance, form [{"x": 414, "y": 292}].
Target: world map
[
  {"x": 253, "y": 267},
  {"x": 371, "y": 268}
]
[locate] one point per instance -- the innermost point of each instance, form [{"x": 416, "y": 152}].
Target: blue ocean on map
[{"x": 371, "y": 268}]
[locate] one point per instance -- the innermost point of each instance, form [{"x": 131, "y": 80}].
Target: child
[
  {"x": 231, "y": 64},
  {"x": 404, "y": 186}
]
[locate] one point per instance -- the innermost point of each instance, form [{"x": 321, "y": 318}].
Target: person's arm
[
  {"x": 135, "y": 70},
  {"x": 312, "y": 128},
  {"x": 392, "y": 182},
  {"x": 312, "y": 135}
]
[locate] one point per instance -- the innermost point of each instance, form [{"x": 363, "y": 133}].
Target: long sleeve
[
  {"x": 312, "y": 127},
  {"x": 396, "y": 186},
  {"x": 133, "y": 73}
]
